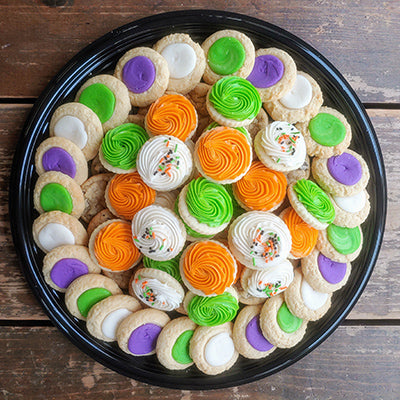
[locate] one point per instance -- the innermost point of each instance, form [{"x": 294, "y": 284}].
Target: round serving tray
[{"x": 101, "y": 56}]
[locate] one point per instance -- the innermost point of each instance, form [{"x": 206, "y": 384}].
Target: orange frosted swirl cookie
[
  {"x": 126, "y": 194},
  {"x": 261, "y": 189},
  {"x": 172, "y": 114},
  {"x": 111, "y": 245},
  {"x": 207, "y": 268},
  {"x": 223, "y": 155},
  {"x": 304, "y": 237}
]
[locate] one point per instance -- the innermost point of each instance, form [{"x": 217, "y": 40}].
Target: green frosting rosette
[
  {"x": 315, "y": 200},
  {"x": 344, "y": 240},
  {"x": 121, "y": 145},
  {"x": 212, "y": 311},
  {"x": 209, "y": 202},
  {"x": 169, "y": 266},
  {"x": 235, "y": 98}
]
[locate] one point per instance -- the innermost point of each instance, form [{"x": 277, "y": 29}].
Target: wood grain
[{"x": 37, "y": 38}]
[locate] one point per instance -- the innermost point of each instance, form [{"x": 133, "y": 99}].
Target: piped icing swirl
[
  {"x": 169, "y": 266},
  {"x": 235, "y": 98},
  {"x": 127, "y": 194},
  {"x": 172, "y": 114},
  {"x": 259, "y": 239},
  {"x": 164, "y": 163},
  {"x": 209, "y": 267},
  {"x": 261, "y": 188},
  {"x": 121, "y": 145},
  {"x": 158, "y": 233},
  {"x": 224, "y": 154},
  {"x": 114, "y": 248}
]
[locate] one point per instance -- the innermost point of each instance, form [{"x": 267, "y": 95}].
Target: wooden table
[{"x": 361, "y": 359}]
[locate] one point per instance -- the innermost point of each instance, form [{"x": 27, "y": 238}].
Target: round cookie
[
  {"x": 93, "y": 191},
  {"x": 55, "y": 228},
  {"x": 105, "y": 316},
  {"x": 259, "y": 239},
  {"x": 61, "y": 155},
  {"x": 87, "y": 290},
  {"x": 280, "y": 146},
  {"x": 223, "y": 155},
  {"x": 165, "y": 163},
  {"x": 258, "y": 123},
  {"x": 108, "y": 97},
  {"x": 145, "y": 73},
  {"x": 274, "y": 73},
  {"x": 157, "y": 289},
  {"x": 228, "y": 52},
  {"x": 305, "y": 302},
  {"x": 98, "y": 219},
  {"x": 233, "y": 102},
  {"x": 137, "y": 119},
  {"x": 173, "y": 115},
  {"x": 279, "y": 326},
  {"x": 138, "y": 333},
  {"x": 300, "y": 104},
  {"x": 326, "y": 134},
  {"x": 171, "y": 266},
  {"x": 173, "y": 344},
  {"x": 126, "y": 194},
  {"x": 120, "y": 147},
  {"x": 79, "y": 124},
  {"x": 324, "y": 274},
  {"x": 186, "y": 61},
  {"x": 261, "y": 189},
  {"x": 247, "y": 335},
  {"x": 301, "y": 173},
  {"x": 343, "y": 175},
  {"x": 207, "y": 268},
  {"x": 65, "y": 263},
  {"x": 311, "y": 203},
  {"x": 57, "y": 191},
  {"x": 166, "y": 199},
  {"x": 212, "y": 348},
  {"x": 158, "y": 233},
  {"x": 339, "y": 243}
]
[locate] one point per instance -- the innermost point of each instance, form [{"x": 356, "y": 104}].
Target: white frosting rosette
[
  {"x": 164, "y": 163},
  {"x": 259, "y": 239},
  {"x": 158, "y": 233}
]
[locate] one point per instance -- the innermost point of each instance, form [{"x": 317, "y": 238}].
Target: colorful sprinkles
[
  {"x": 271, "y": 289},
  {"x": 268, "y": 248},
  {"x": 168, "y": 161}
]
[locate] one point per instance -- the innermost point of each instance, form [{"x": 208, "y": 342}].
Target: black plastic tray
[{"x": 101, "y": 56}]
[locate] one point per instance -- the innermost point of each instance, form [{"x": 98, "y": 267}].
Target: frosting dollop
[
  {"x": 226, "y": 55},
  {"x": 326, "y": 129},
  {"x": 267, "y": 71},
  {"x": 139, "y": 74},
  {"x": 345, "y": 168},
  {"x": 344, "y": 240},
  {"x": 181, "y": 59},
  {"x": 351, "y": 204},
  {"x": 300, "y": 95}
]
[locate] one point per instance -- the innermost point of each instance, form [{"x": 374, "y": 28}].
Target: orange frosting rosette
[
  {"x": 114, "y": 248},
  {"x": 261, "y": 189},
  {"x": 208, "y": 266},
  {"x": 172, "y": 114},
  {"x": 127, "y": 194},
  {"x": 304, "y": 237},
  {"x": 224, "y": 154}
]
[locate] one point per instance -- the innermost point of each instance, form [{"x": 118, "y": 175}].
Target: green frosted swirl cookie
[
  {"x": 315, "y": 200},
  {"x": 170, "y": 266},
  {"x": 344, "y": 240},
  {"x": 121, "y": 145},
  {"x": 209, "y": 202},
  {"x": 212, "y": 311},
  {"x": 235, "y": 98}
]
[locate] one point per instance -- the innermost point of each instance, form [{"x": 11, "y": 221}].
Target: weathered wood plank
[
  {"x": 37, "y": 39},
  {"x": 355, "y": 362}
]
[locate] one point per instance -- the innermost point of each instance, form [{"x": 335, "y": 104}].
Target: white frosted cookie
[
  {"x": 61, "y": 155},
  {"x": 300, "y": 104},
  {"x": 164, "y": 163},
  {"x": 79, "y": 124},
  {"x": 87, "y": 290},
  {"x": 65, "y": 263},
  {"x": 105, "y": 316},
  {"x": 55, "y": 228},
  {"x": 186, "y": 61},
  {"x": 259, "y": 239},
  {"x": 212, "y": 348},
  {"x": 57, "y": 191},
  {"x": 158, "y": 233},
  {"x": 108, "y": 97}
]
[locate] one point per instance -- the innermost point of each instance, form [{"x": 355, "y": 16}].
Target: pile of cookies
[{"x": 181, "y": 185}]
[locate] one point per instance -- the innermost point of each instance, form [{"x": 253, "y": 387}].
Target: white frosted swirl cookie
[
  {"x": 164, "y": 163},
  {"x": 158, "y": 233},
  {"x": 259, "y": 239}
]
